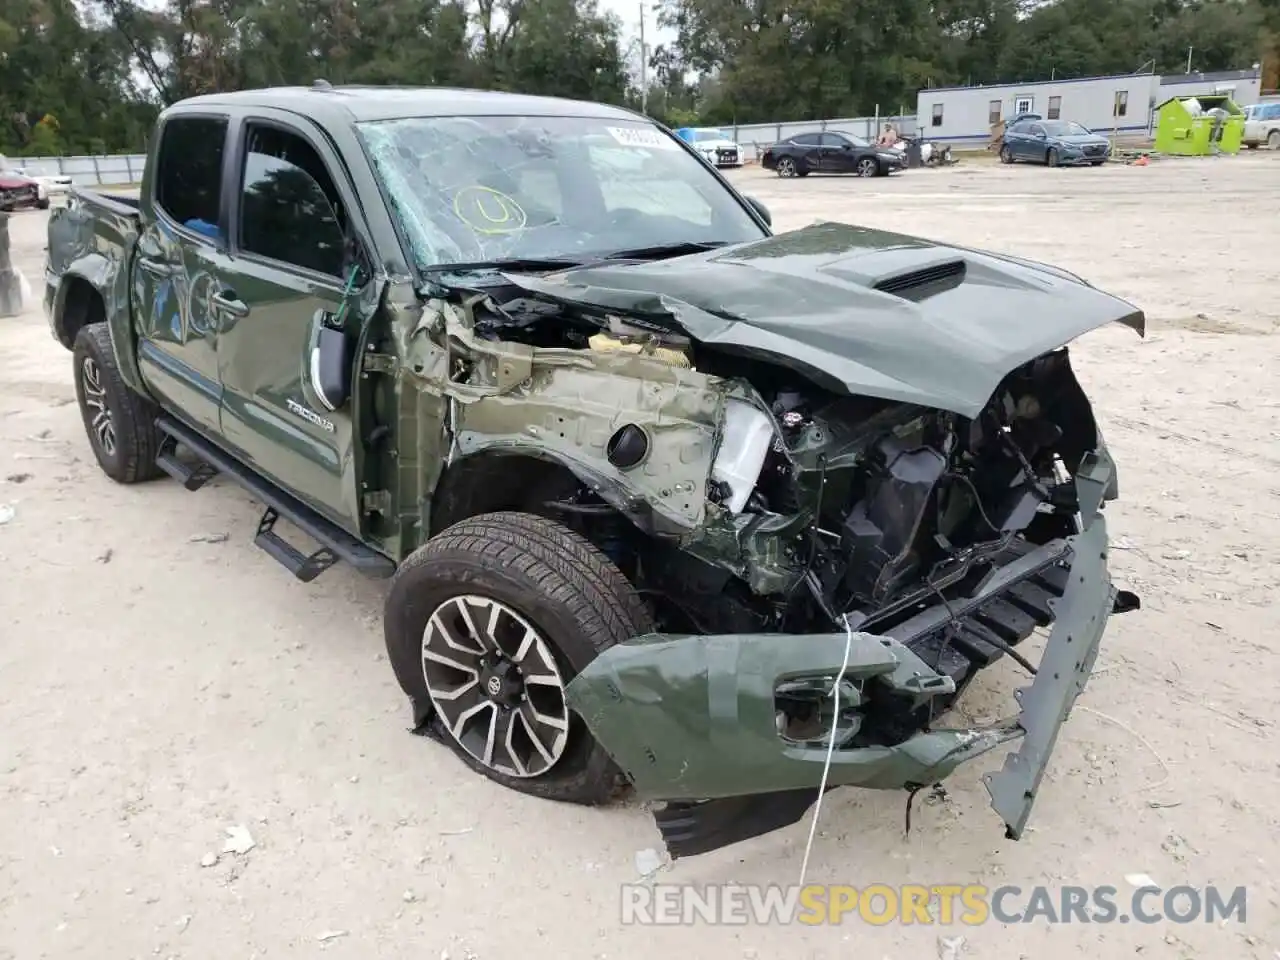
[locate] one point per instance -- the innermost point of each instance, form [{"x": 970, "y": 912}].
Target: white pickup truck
[{"x": 1262, "y": 125}]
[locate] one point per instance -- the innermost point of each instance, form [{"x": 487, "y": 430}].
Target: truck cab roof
[{"x": 353, "y": 104}]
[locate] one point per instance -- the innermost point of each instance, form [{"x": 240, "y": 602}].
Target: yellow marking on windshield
[{"x": 489, "y": 211}]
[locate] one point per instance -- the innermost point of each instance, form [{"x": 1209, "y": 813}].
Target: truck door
[
  {"x": 172, "y": 270},
  {"x": 292, "y": 213}
]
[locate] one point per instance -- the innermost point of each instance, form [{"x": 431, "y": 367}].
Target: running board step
[
  {"x": 336, "y": 543},
  {"x": 193, "y": 477},
  {"x": 305, "y": 568}
]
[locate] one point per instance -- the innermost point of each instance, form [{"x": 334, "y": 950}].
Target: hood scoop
[{"x": 917, "y": 285}]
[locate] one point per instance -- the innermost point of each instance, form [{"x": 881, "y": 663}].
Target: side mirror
[
  {"x": 330, "y": 365},
  {"x": 761, "y": 209}
]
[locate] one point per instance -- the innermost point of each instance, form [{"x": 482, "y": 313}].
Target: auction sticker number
[{"x": 641, "y": 137}]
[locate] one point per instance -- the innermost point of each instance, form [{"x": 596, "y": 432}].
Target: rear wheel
[
  {"x": 786, "y": 167},
  {"x": 487, "y": 623},
  {"x": 121, "y": 424},
  {"x": 868, "y": 167}
]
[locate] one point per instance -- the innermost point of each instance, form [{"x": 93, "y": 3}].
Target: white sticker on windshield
[{"x": 642, "y": 137}]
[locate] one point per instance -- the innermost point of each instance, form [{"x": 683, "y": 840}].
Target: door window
[
  {"x": 290, "y": 210},
  {"x": 189, "y": 172},
  {"x": 807, "y": 139}
]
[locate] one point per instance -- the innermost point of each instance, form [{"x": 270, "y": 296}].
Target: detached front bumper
[{"x": 692, "y": 719}]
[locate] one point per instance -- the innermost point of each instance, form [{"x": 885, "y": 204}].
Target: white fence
[
  {"x": 754, "y": 137},
  {"x": 86, "y": 171}
]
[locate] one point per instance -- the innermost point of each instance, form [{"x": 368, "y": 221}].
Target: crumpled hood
[{"x": 946, "y": 328}]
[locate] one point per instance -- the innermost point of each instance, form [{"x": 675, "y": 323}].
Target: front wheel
[
  {"x": 868, "y": 167},
  {"x": 786, "y": 167},
  {"x": 121, "y": 424},
  {"x": 485, "y": 626},
  {"x": 1051, "y": 158},
  {"x": 1006, "y": 154},
  {"x": 1273, "y": 139}
]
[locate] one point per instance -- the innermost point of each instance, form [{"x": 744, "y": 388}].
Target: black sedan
[{"x": 830, "y": 152}]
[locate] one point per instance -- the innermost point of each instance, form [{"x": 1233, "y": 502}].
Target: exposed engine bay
[
  {"x": 872, "y": 509},
  {"x": 845, "y": 470}
]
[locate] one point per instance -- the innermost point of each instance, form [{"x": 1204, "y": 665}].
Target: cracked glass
[{"x": 468, "y": 189}]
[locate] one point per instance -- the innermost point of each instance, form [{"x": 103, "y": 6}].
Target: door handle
[
  {"x": 157, "y": 268},
  {"x": 227, "y": 303}
]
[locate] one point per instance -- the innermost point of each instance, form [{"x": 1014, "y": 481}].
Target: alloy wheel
[
  {"x": 867, "y": 167},
  {"x": 786, "y": 167},
  {"x": 496, "y": 686},
  {"x": 95, "y": 398},
  {"x": 1006, "y": 155}
]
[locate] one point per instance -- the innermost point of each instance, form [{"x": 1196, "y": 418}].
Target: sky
[{"x": 629, "y": 12}]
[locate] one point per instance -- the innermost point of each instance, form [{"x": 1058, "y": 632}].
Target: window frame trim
[
  {"x": 342, "y": 183},
  {"x": 936, "y": 112},
  {"x": 1049, "y": 110},
  {"x": 160, "y": 212}
]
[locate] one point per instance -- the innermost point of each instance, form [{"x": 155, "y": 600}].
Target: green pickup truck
[{"x": 667, "y": 502}]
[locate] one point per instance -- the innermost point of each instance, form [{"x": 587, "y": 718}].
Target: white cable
[{"x": 831, "y": 748}]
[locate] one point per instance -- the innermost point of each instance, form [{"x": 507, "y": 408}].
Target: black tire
[
  {"x": 134, "y": 440},
  {"x": 561, "y": 584},
  {"x": 1006, "y": 154},
  {"x": 868, "y": 167},
  {"x": 43, "y": 204},
  {"x": 1051, "y": 158},
  {"x": 787, "y": 167},
  {"x": 1273, "y": 140},
  {"x": 1098, "y": 163}
]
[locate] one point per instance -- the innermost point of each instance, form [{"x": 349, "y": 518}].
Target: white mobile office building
[
  {"x": 964, "y": 115},
  {"x": 1242, "y": 86}
]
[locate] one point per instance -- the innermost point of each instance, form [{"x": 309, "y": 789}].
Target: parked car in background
[
  {"x": 1262, "y": 125},
  {"x": 1053, "y": 142},
  {"x": 18, "y": 191},
  {"x": 49, "y": 185},
  {"x": 719, "y": 149},
  {"x": 830, "y": 152}
]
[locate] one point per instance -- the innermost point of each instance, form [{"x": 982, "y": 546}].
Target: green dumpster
[{"x": 1199, "y": 126}]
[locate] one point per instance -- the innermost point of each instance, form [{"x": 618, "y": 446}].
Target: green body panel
[
  {"x": 91, "y": 246},
  {"x": 693, "y": 718},
  {"x": 1180, "y": 133},
  {"x": 807, "y": 299}
]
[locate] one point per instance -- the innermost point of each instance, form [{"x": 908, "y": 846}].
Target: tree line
[{"x": 88, "y": 76}]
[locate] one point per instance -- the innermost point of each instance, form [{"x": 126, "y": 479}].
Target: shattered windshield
[{"x": 469, "y": 189}]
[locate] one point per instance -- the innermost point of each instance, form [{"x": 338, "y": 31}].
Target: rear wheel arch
[{"x": 81, "y": 306}]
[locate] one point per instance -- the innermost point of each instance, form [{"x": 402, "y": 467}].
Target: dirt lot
[{"x": 158, "y": 688}]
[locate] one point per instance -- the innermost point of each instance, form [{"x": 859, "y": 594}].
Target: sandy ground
[{"x": 157, "y": 689}]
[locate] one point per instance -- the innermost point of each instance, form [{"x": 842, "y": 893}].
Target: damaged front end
[{"x": 833, "y": 543}]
